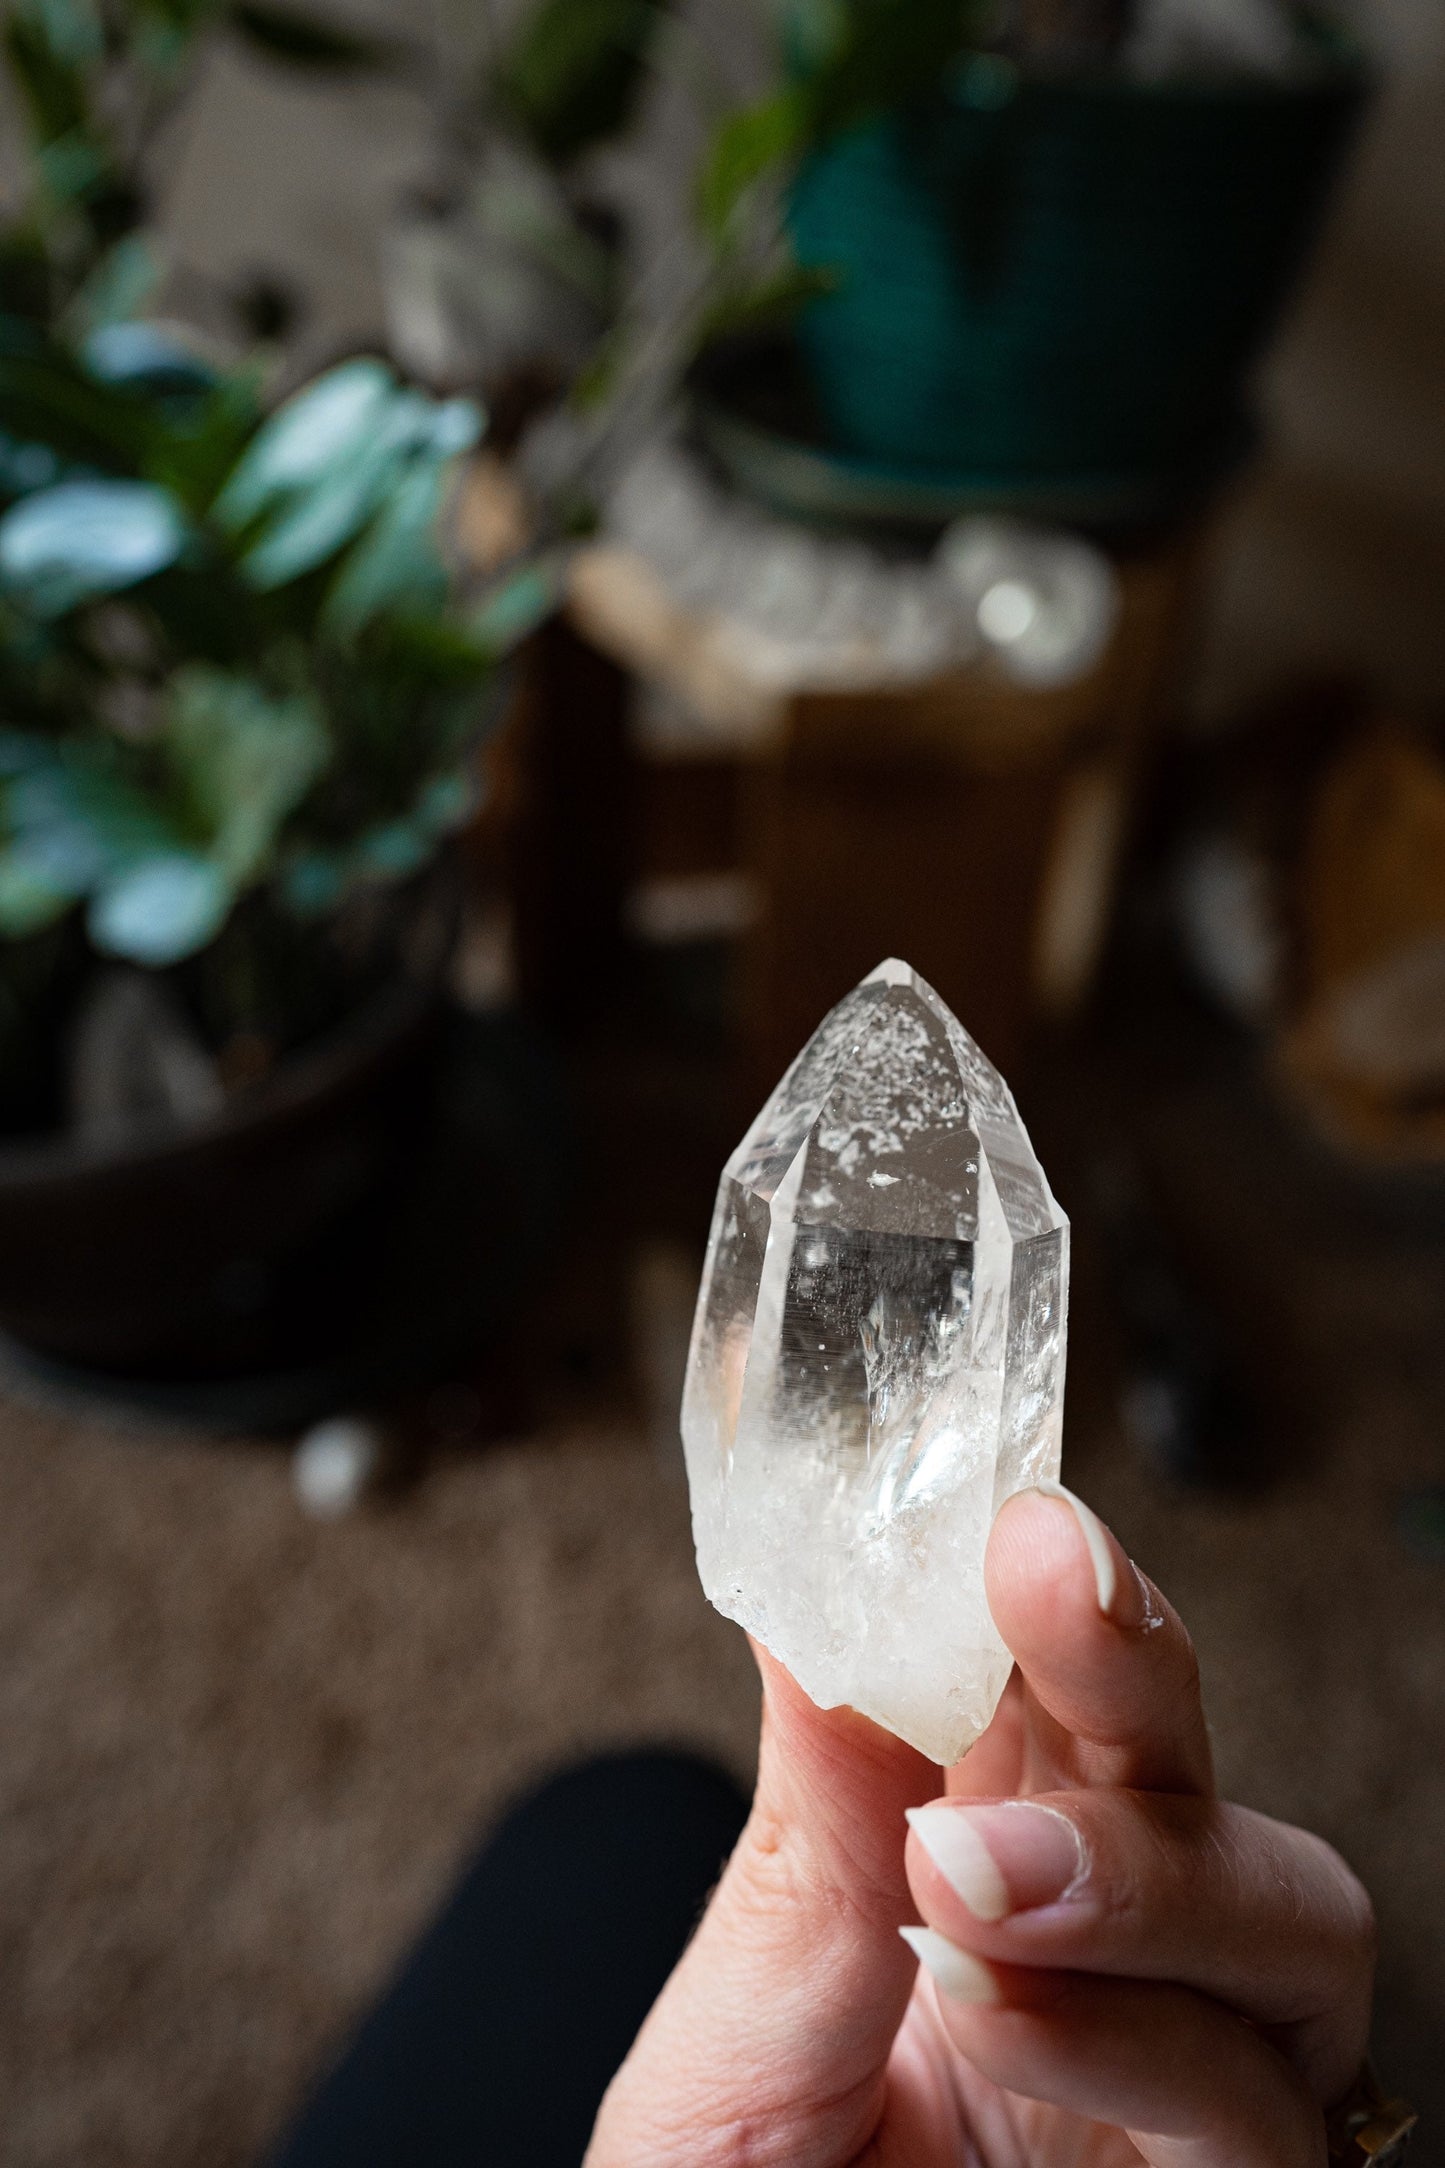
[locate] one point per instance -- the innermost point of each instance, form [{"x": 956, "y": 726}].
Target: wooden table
[{"x": 971, "y": 825}]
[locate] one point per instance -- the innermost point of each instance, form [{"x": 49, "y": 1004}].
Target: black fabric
[{"x": 494, "y": 2045}]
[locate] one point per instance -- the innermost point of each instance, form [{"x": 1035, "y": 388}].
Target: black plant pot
[{"x": 239, "y": 1247}]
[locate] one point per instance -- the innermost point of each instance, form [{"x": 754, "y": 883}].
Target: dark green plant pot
[{"x": 1060, "y": 276}]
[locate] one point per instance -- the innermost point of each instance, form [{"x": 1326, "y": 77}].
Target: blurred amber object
[
  {"x": 1366, "y": 1050},
  {"x": 492, "y": 523}
]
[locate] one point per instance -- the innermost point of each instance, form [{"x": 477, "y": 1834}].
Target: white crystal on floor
[{"x": 877, "y": 1362}]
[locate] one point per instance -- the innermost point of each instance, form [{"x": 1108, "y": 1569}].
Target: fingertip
[
  {"x": 1104, "y": 1552},
  {"x": 956, "y": 1973},
  {"x": 1122, "y": 1675},
  {"x": 1050, "y": 1550}
]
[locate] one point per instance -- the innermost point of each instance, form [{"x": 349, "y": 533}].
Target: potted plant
[
  {"x": 241, "y": 693},
  {"x": 1051, "y": 238},
  {"x": 504, "y": 274}
]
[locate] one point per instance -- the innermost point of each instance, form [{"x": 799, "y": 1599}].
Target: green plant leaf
[
  {"x": 749, "y": 144},
  {"x": 448, "y": 801},
  {"x": 165, "y": 30},
  {"x": 518, "y": 603},
  {"x": 574, "y": 72},
  {"x": 73, "y": 166},
  {"x": 817, "y": 32},
  {"x": 145, "y": 355},
  {"x": 311, "y": 41},
  {"x": 321, "y": 520},
  {"x": 72, "y": 29},
  {"x": 161, "y": 910},
  {"x": 243, "y": 761},
  {"x": 849, "y": 59},
  {"x": 46, "y": 397},
  {"x": 885, "y": 52},
  {"x": 395, "y": 565},
  {"x": 319, "y": 430},
  {"x": 315, "y": 521},
  {"x": 456, "y": 425},
  {"x": 411, "y": 653},
  {"x": 757, "y": 304},
  {"x": 115, "y": 290},
  {"x": 24, "y": 467},
  {"x": 314, "y": 883},
  {"x": 393, "y": 850},
  {"x": 30, "y": 898},
  {"x": 50, "y": 56},
  {"x": 77, "y": 818},
  {"x": 67, "y": 545},
  {"x": 203, "y": 439}
]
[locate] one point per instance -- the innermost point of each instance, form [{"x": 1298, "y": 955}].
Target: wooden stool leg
[{"x": 572, "y": 844}]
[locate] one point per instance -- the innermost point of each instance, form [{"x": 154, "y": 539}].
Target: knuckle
[
  {"x": 1120, "y": 1849},
  {"x": 1154, "y": 1853},
  {"x": 775, "y": 1879},
  {"x": 1323, "y": 1907},
  {"x": 1336, "y": 1899},
  {"x": 689, "y": 2127},
  {"x": 1186, "y": 1695},
  {"x": 763, "y": 1878},
  {"x": 1358, "y": 1928}
]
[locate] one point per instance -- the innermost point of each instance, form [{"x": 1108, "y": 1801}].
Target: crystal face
[{"x": 877, "y": 1362}]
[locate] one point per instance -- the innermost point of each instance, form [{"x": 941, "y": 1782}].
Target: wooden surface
[
  {"x": 927, "y": 824},
  {"x": 970, "y": 824}
]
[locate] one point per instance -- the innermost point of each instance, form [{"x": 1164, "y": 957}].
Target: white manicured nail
[
  {"x": 962, "y": 1858},
  {"x": 961, "y": 1977},
  {"x": 1101, "y": 1554}
]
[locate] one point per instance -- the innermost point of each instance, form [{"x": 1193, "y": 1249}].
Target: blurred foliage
[
  {"x": 839, "y": 63},
  {"x": 514, "y": 190},
  {"x": 232, "y": 659},
  {"x": 95, "y": 82},
  {"x": 241, "y": 687},
  {"x": 573, "y": 72}
]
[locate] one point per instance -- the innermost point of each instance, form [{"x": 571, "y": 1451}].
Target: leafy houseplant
[
  {"x": 239, "y": 696},
  {"x": 241, "y": 693},
  {"x": 506, "y": 272},
  {"x": 1055, "y": 233},
  {"x": 243, "y": 685}
]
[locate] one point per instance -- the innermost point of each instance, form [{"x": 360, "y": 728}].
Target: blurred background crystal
[
  {"x": 1044, "y": 603},
  {"x": 818, "y": 608},
  {"x": 811, "y": 608}
]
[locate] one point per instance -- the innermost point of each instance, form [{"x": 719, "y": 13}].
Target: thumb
[{"x": 770, "y": 2042}]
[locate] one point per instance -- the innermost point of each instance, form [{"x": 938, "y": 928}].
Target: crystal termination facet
[{"x": 877, "y": 1362}]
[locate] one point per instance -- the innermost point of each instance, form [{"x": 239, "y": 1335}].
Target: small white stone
[
  {"x": 877, "y": 1364},
  {"x": 335, "y": 1464}
]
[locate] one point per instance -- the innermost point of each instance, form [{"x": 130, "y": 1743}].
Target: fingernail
[
  {"x": 962, "y": 1857},
  {"x": 1010, "y": 1856},
  {"x": 961, "y": 1977},
  {"x": 1096, "y": 1536}
]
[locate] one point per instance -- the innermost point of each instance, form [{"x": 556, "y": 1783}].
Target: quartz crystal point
[{"x": 877, "y": 1361}]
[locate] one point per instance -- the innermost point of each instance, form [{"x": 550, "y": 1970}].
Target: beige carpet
[{"x": 241, "y": 1755}]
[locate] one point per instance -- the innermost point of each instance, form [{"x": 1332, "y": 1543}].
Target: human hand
[{"x": 1117, "y": 1966}]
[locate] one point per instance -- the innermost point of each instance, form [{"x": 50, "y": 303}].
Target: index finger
[{"x": 1101, "y": 1653}]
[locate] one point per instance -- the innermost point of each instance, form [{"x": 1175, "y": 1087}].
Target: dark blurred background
[{"x": 528, "y": 564}]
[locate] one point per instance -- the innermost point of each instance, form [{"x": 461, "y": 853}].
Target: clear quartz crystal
[{"x": 877, "y": 1362}]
